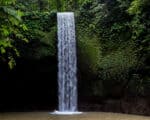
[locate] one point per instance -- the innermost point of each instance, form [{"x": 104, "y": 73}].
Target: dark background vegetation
[{"x": 113, "y": 54}]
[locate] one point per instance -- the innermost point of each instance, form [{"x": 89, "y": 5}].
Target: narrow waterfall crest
[{"x": 67, "y": 64}]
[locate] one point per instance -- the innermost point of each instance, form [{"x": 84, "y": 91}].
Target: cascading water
[{"x": 67, "y": 64}]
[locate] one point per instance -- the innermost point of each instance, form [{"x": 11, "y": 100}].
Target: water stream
[{"x": 67, "y": 63}]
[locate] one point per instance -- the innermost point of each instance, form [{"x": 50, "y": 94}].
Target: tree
[{"x": 10, "y": 27}]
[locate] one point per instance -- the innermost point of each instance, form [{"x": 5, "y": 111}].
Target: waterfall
[{"x": 67, "y": 63}]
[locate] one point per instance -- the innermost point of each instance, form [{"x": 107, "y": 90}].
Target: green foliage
[
  {"x": 121, "y": 30},
  {"x": 117, "y": 67},
  {"x": 10, "y": 27},
  {"x": 117, "y": 64},
  {"x": 140, "y": 32},
  {"x": 33, "y": 5},
  {"x": 7, "y": 2},
  {"x": 135, "y": 7},
  {"x": 89, "y": 52},
  {"x": 41, "y": 35},
  {"x": 113, "y": 39}
]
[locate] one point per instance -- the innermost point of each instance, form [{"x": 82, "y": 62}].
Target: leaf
[
  {"x": 11, "y": 62},
  {"x": 26, "y": 40},
  {"x": 12, "y": 12},
  {"x": 2, "y": 50},
  {"x": 5, "y": 32},
  {"x": 24, "y": 27}
]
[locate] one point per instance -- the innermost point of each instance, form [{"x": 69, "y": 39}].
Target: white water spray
[{"x": 67, "y": 64}]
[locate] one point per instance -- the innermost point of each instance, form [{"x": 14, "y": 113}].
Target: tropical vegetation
[{"x": 113, "y": 41}]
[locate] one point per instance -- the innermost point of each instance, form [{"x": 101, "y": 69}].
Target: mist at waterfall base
[{"x": 67, "y": 64}]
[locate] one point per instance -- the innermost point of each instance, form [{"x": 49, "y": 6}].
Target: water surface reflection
[{"x": 84, "y": 116}]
